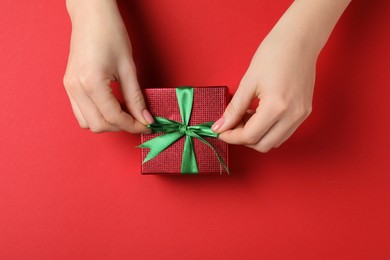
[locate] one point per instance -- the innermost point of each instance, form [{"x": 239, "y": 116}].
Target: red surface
[
  {"x": 208, "y": 105},
  {"x": 68, "y": 194}
]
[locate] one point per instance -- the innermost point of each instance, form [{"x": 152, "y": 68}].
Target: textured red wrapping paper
[{"x": 208, "y": 105}]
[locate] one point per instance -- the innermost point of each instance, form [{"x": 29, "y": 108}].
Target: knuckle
[
  {"x": 251, "y": 138},
  {"x": 302, "y": 112},
  {"x": 135, "y": 131},
  {"x": 88, "y": 86},
  {"x": 265, "y": 145},
  {"x": 83, "y": 125},
  {"x": 89, "y": 82},
  {"x": 69, "y": 82},
  {"x": 113, "y": 117},
  {"x": 232, "y": 108},
  {"x": 83, "y": 80},
  {"x": 308, "y": 110},
  {"x": 245, "y": 81},
  {"x": 137, "y": 97},
  {"x": 280, "y": 106},
  {"x": 263, "y": 148},
  {"x": 97, "y": 128},
  {"x": 128, "y": 66}
]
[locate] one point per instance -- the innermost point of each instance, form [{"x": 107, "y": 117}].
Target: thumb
[
  {"x": 236, "y": 109},
  {"x": 134, "y": 98}
]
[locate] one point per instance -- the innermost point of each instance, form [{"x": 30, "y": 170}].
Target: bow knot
[{"x": 183, "y": 129}]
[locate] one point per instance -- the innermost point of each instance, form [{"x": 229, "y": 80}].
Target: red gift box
[{"x": 209, "y": 104}]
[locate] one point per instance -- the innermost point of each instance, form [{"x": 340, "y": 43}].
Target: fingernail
[
  {"x": 148, "y": 116},
  {"x": 217, "y": 125}
]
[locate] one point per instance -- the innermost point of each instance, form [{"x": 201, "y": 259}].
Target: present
[{"x": 182, "y": 141}]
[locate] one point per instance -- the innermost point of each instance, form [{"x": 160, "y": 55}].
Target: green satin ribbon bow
[{"x": 174, "y": 131}]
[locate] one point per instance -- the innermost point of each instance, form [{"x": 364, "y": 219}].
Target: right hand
[{"x": 100, "y": 52}]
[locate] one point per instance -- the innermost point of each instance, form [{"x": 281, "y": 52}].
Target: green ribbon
[{"x": 174, "y": 131}]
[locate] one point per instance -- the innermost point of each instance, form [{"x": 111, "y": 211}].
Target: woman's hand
[
  {"x": 100, "y": 52},
  {"x": 281, "y": 75}
]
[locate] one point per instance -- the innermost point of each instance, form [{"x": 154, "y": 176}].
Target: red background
[{"x": 66, "y": 193}]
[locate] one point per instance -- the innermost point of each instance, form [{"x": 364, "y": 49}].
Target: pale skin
[{"x": 281, "y": 74}]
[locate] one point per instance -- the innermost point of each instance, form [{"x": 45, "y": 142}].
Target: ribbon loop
[{"x": 173, "y": 131}]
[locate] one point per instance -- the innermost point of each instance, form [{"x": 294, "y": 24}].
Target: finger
[
  {"x": 290, "y": 131},
  {"x": 258, "y": 124},
  {"x": 91, "y": 114},
  {"x": 245, "y": 119},
  {"x": 108, "y": 105},
  {"x": 247, "y": 116},
  {"x": 296, "y": 118},
  {"x": 133, "y": 95},
  {"x": 288, "y": 134},
  {"x": 76, "y": 110},
  {"x": 272, "y": 136},
  {"x": 280, "y": 131},
  {"x": 250, "y": 111},
  {"x": 236, "y": 108}
]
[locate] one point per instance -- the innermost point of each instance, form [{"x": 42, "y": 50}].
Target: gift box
[{"x": 182, "y": 141}]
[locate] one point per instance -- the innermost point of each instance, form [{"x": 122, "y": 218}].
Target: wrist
[
  {"x": 77, "y": 8},
  {"x": 308, "y": 24}
]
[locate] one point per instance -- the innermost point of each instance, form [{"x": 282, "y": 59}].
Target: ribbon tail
[
  {"x": 159, "y": 144},
  {"x": 189, "y": 164},
  {"x": 221, "y": 162}
]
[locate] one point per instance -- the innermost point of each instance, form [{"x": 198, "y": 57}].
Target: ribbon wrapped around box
[{"x": 182, "y": 141}]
